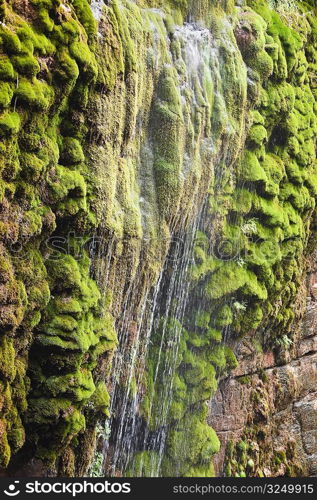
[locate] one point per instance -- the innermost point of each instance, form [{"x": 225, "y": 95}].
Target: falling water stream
[{"x": 194, "y": 53}]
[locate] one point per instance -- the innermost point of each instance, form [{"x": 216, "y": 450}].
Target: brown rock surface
[{"x": 271, "y": 398}]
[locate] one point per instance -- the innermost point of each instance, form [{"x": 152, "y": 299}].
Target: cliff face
[
  {"x": 265, "y": 412},
  {"x": 159, "y": 176}
]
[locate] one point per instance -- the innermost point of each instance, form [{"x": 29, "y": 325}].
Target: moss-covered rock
[
  {"x": 117, "y": 129},
  {"x": 46, "y": 55}
]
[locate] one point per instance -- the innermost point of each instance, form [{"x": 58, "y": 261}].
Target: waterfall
[
  {"x": 176, "y": 301},
  {"x": 158, "y": 222},
  {"x": 156, "y": 301}
]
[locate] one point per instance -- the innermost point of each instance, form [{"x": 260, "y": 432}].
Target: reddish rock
[{"x": 279, "y": 398}]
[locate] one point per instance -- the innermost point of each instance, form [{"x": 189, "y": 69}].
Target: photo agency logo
[
  {"x": 173, "y": 249},
  {"x": 12, "y": 490},
  {"x": 70, "y": 489},
  {"x": 56, "y": 247}
]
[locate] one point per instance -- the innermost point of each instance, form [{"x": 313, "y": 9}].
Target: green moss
[
  {"x": 166, "y": 131},
  {"x": 217, "y": 358},
  {"x": 214, "y": 335},
  {"x": 264, "y": 213},
  {"x": 9, "y": 124},
  {"x": 262, "y": 205},
  {"x": 70, "y": 186},
  {"x": 26, "y": 64},
  {"x": 6, "y": 94},
  {"x": 224, "y": 316},
  {"x": 72, "y": 152},
  {"x": 128, "y": 45},
  {"x": 270, "y": 212},
  {"x": 10, "y": 40},
  {"x": 7, "y": 354},
  {"x": 77, "y": 386},
  {"x": 46, "y": 22},
  {"x": 67, "y": 70},
  {"x": 143, "y": 464},
  {"x": 32, "y": 166},
  {"x": 257, "y": 135},
  {"x": 6, "y": 69},
  {"x": 74, "y": 324},
  {"x": 193, "y": 443},
  {"x": 244, "y": 380},
  {"x": 275, "y": 171},
  {"x": 242, "y": 201},
  {"x": 198, "y": 370},
  {"x": 35, "y": 94},
  {"x": 232, "y": 277},
  {"x": 40, "y": 194},
  {"x": 202, "y": 319},
  {"x": 242, "y": 446},
  {"x": 85, "y": 59},
  {"x": 73, "y": 423},
  {"x": 5, "y": 451},
  {"x": 101, "y": 399},
  {"x": 85, "y": 16},
  {"x": 231, "y": 360}
]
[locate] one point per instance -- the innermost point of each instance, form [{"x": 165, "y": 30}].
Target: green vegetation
[
  {"x": 47, "y": 60},
  {"x": 118, "y": 133},
  {"x": 273, "y": 193}
]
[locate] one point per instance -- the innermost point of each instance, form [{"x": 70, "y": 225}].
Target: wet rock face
[
  {"x": 269, "y": 404},
  {"x": 126, "y": 126}
]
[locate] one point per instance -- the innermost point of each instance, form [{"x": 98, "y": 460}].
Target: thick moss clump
[
  {"x": 268, "y": 220},
  {"x": 47, "y": 70},
  {"x": 167, "y": 136},
  {"x": 77, "y": 330}
]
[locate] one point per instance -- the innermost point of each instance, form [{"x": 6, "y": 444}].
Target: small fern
[{"x": 285, "y": 342}]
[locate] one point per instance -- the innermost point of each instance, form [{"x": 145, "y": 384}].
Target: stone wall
[{"x": 269, "y": 403}]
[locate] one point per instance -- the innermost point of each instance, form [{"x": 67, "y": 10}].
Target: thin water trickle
[
  {"x": 158, "y": 304},
  {"x": 97, "y": 8},
  {"x": 197, "y": 63},
  {"x": 179, "y": 293}
]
